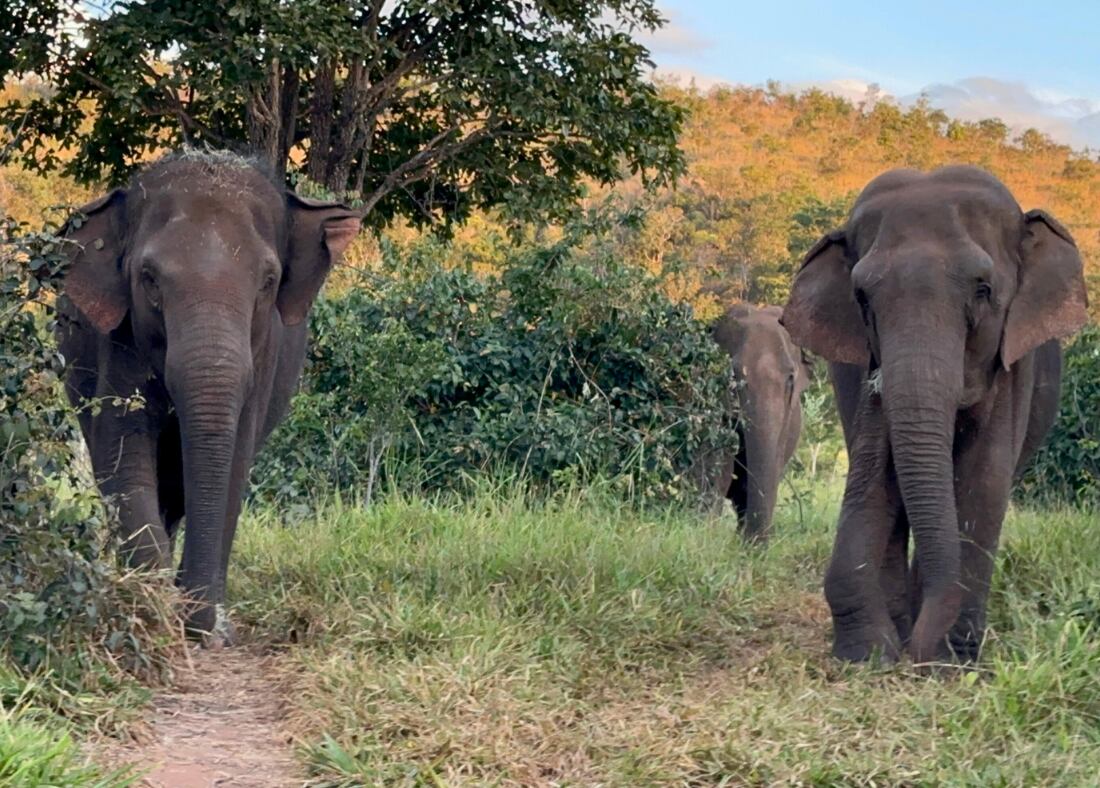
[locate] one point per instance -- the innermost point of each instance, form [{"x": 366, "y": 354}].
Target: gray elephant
[
  {"x": 771, "y": 376},
  {"x": 191, "y": 288},
  {"x": 939, "y": 304}
]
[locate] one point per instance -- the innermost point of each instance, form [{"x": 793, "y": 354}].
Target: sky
[{"x": 1031, "y": 64}]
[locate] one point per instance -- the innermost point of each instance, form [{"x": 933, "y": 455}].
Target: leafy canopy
[{"x": 426, "y": 109}]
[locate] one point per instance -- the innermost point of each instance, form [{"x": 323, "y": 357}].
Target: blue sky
[{"x": 1029, "y": 63}]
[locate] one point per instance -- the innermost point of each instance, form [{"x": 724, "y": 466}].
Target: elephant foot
[
  {"x": 211, "y": 626},
  {"x": 904, "y": 625},
  {"x": 965, "y": 646},
  {"x": 877, "y": 648},
  {"x": 147, "y": 548},
  {"x": 224, "y": 634}
]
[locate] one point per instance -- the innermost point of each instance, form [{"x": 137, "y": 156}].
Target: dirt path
[{"x": 219, "y": 726}]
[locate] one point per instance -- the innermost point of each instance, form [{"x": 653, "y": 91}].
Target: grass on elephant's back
[{"x": 579, "y": 641}]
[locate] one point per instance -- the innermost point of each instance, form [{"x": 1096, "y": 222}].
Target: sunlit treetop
[{"x": 426, "y": 109}]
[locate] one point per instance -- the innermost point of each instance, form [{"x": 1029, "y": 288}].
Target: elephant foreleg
[
  {"x": 982, "y": 490},
  {"x": 862, "y": 623},
  {"x": 895, "y": 578},
  {"x": 124, "y": 458}
]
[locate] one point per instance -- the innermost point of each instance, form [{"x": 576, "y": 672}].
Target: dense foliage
[
  {"x": 565, "y": 364},
  {"x": 428, "y": 109},
  {"x": 770, "y": 170},
  {"x": 1067, "y": 468},
  {"x": 60, "y": 587}
]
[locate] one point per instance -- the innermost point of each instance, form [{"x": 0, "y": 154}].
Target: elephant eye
[
  {"x": 150, "y": 286},
  {"x": 983, "y": 292},
  {"x": 269, "y": 281}
]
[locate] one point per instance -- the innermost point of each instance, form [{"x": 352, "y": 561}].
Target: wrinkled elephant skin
[
  {"x": 939, "y": 305},
  {"x": 770, "y": 375},
  {"x": 190, "y": 289}
]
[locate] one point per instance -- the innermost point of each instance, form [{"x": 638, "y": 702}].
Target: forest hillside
[{"x": 769, "y": 171}]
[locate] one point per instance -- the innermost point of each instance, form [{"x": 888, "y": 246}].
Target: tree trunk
[
  {"x": 320, "y": 122},
  {"x": 347, "y": 129},
  {"x": 288, "y": 120},
  {"x": 265, "y": 118}
]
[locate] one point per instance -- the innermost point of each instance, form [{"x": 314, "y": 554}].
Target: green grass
[
  {"x": 506, "y": 641},
  {"x": 38, "y": 752}
]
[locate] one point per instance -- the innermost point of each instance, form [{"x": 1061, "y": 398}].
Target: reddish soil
[{"x": 220, "y": 725}]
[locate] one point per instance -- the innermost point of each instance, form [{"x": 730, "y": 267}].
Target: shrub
[
  {"x": 821, "y": 444},
  {"x": 567, "y": 364},
  {"x": 1067, "y": 468},
  {"x": 62, "y": 596}
]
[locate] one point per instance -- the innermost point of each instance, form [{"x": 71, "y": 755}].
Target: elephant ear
[
  {"x": 319, "y": 234},
  {"x": 822, "y": 315},
  {"x": 1050, "y": 301},
  {"x": 95, "y": 282}
]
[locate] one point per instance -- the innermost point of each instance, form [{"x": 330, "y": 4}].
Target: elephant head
[
  {"x": 937, "y": 282},
  {"x": 772, "y": 375},
  {"x": 197, "y": 266}
]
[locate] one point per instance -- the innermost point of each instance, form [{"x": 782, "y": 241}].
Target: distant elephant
[
  {"x": 939, "y": 305},
  {"x": 191, "y": 288},
  {"x": 771, "y": 375}
]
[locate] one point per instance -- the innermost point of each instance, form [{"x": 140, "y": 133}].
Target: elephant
[
  {"x": 190, "y": 289},
  {"x": 771, "y": 374},
  {"x": 939, "y": 305}
]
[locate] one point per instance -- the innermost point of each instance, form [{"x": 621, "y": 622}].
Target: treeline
[{"x": 769, "y": 171}]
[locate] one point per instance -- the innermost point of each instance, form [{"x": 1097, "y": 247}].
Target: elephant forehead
[
  {"x": 930, "y": 213},
  {"x": 193, "y": 223},
  {"x": 186, "y": 244},
  {"x": 207, "y": 205},
  {"x": 762, "y": 363}
]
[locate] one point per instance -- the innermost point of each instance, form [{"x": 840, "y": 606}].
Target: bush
[
  {"x": 62, "y": 596},
  {"x": 821, "y": 444},
  {"x": 32, "y": 754},
  {"x": 565, "y": 365},
  {"x": 1067, "y": 468}
]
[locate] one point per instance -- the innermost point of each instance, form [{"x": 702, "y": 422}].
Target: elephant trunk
[
  {"x": 208, "y": 370},
  {"x": 762, "y": 434},
  {"x": 921, "y": 382}
]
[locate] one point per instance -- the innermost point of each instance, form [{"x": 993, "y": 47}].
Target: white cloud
[
  {"x": 685, "y": 77},
  {"x": 675, "y": 37},
  {"x": 855, "y": 90},
  {"x": 1070, "y": 120}
]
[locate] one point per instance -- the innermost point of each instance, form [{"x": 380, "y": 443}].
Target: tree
[{"x": 421, "y": 108}]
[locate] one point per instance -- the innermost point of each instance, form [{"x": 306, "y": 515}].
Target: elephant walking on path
[
  {"x": 190, "y": 289},
  {"x": 771, "y": 376},
  {"x": 939, "y": 304}
]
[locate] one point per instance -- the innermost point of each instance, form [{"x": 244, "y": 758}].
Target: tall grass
[
  {"x": 517, "y": 641},
  {"x": 39, "y": 752}
]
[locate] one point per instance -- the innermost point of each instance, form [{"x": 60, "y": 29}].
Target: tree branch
[{"x": 417, "y": 167}]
